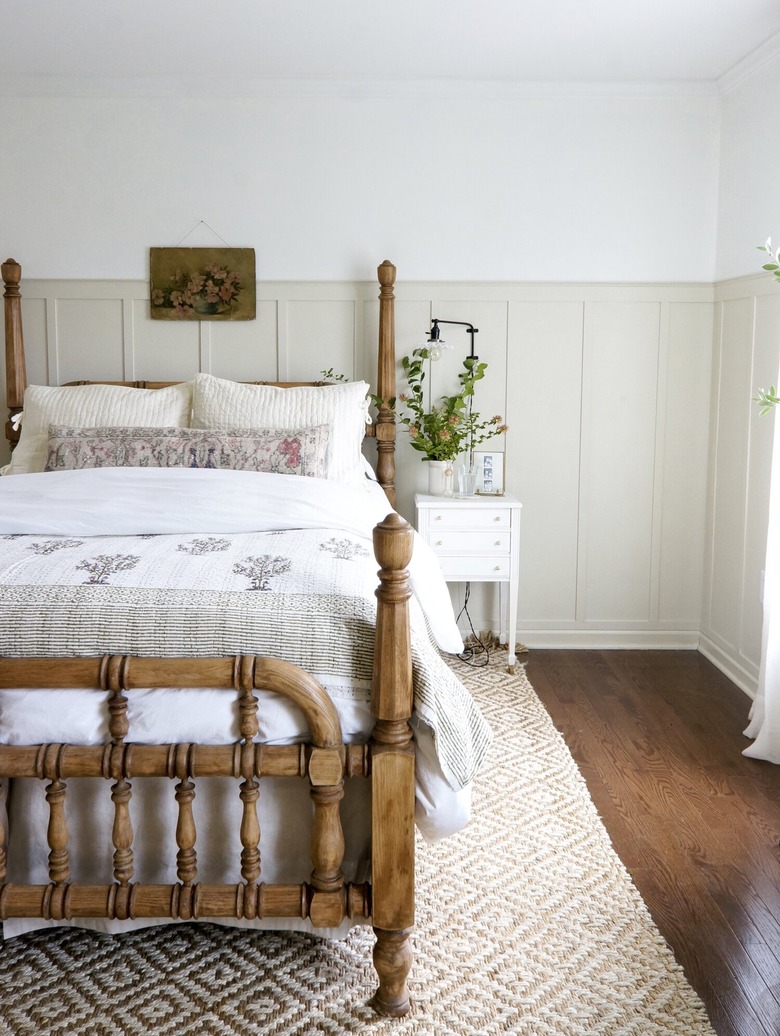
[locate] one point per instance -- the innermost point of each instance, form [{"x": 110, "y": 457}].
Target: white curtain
[{"x": 764, "y": 724}]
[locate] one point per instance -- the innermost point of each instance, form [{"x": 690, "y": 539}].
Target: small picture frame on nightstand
[{"x": 490, "y": 473}]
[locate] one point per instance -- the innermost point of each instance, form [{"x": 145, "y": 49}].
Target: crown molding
[{"x": 751, "y": 65}]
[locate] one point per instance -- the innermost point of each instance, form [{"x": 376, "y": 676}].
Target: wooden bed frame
[{"x": 387, "y": 902}]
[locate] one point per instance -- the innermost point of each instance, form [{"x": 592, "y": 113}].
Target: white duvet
[
  {"x": 137, "y": 501},
  {"x": 113, "y": 502}
]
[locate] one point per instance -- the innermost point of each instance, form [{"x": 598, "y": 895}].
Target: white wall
[
  {"x": 476, "y": 183},
  {"x": 749, "y": 194}
]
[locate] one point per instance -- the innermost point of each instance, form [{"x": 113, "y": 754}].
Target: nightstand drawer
[
  {"x": 462, "y": 570},
  {"x": 482, "y": 541},
  {"x": 470, "y": 518}
]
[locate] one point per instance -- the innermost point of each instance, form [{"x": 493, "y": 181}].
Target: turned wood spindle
[
  {"x": 183, "y": 766},
  {"x": 385, "y": 421},
  {"x": 392, "y": 961},
  {"x": 3, "y": 839},
  {"x": 57, "y": 834},
  {"x": 122, "y": 832},
  {"x": 48, "y": 765},
  {"x": 243, "y": 681},
  {"x": 15, "y": 373},
  {"x": 327, "y": 839},
  {"x": 114, "y": 675},
  {"x": 249, "y": 790},
  {"x": 250, "y": 832},
  {"x": 186, "y": 857}
]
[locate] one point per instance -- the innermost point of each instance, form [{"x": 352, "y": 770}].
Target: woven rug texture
[{"x": 527, "y": 923}]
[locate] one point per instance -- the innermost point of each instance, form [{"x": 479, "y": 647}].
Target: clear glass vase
[{"x": 467, "y": 477}]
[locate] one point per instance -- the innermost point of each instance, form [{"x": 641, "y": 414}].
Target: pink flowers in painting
[{"x": 195, "y": 294}]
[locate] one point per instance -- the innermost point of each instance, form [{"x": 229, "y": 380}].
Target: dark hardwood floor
[{"x": 658, "y": 738}]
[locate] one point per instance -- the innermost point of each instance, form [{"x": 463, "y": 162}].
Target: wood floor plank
[{"x": 658, "y": 737}]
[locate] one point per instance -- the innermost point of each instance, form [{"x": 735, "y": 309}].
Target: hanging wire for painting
[
  {"x": 475, "y": 650},
  {"x": 198, "y": 225}
]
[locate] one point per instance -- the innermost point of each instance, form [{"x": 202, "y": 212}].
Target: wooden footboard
[{"x": 325, "y": 761}]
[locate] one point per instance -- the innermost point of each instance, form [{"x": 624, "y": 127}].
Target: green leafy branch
[
  {"x": 774, "y": 266},
  {"x": 449, "y": 427},
  {"x": 768, "y": 399}
]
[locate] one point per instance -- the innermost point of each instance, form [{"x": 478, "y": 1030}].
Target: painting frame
[
  {"x": 202, "y": 284},
  {"x": 491, "y": 472}
]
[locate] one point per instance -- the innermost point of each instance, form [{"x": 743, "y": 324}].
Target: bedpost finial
[
  {"x": 393, "y": 542},
  {"x": 12, "y": 273},
  {"x": 386, "y": 273}
]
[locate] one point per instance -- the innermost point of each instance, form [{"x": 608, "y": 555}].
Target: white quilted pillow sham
[
  {"x": 91, "y": 406},
  {"x": 217, "y": 403}
]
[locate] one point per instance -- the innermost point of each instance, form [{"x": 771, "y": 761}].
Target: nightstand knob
[
  {"x": 497, "y": 518},
  {"x": 438, "y": 518},
  {"x": 439, "y": 542},
  {"x": 498, "y": 543},
  {"x": 496, "y": 568}
]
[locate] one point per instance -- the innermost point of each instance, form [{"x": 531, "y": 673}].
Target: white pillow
[
  {"x": 217, "y": 403},
  {"x": 91, "y": 406}
]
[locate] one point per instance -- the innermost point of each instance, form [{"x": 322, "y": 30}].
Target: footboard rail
[{"x": 325, "y": 761}]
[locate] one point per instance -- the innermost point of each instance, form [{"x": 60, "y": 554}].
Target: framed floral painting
[{"x": 202, "y": 283}]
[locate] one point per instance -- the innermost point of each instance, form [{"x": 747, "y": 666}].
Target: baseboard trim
[
  {"x": 627, "y": 640},
  {"x": 746, "y": 681},
  {"x": 605, "y": 640}
]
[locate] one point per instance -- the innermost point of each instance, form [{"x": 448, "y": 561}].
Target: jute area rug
[{"x": 527, "y": 923}]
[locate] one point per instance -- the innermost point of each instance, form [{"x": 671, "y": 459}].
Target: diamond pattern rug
[{"x": 527, "y": 923}]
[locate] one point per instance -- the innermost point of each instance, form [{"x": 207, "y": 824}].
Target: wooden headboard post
[
  {"x": 15, "y": 370},
  {"x": 385, "y": 387}
]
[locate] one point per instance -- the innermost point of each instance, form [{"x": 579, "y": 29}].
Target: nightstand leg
[
  {"x": 508, "y": 613},
  {"x": 507, "y": 618}
]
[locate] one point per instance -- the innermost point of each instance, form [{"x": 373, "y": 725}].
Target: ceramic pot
[{"x": 437, "y": 477}]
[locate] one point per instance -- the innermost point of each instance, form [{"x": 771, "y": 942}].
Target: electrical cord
[{"x": 474, "y": 651}]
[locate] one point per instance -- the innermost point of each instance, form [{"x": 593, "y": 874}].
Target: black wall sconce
[{"x": 435, "y": 341}]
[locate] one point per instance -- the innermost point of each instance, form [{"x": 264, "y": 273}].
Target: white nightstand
[{"x": 477, "y": 540}]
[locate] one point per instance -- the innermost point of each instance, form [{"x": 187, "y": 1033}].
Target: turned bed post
[
  {"x": 15, "y": 372},
  {"x": 385, "y": 383},
  {"x": 392, "y": 770}
]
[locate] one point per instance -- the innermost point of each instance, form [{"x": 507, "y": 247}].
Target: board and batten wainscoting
[
  {"x": 642, "y": 470},
  {"x": 746, "y": 346}
]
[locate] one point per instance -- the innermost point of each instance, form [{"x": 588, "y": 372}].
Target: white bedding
[
  {"x": 174, "y": 504},
  {"x": 137, "y": 501}
]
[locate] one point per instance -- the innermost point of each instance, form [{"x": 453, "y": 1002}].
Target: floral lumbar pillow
[{"x": 285, "y": 451}]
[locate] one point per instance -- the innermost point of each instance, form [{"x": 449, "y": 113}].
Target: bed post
[
  {"x": 385, "y": 383},
  {"x": 15, "y": 373},
  {"x": 392, "y": 770}
]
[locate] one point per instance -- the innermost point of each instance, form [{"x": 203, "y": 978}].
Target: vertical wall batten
[
  {"x": 52, "y": 335},
  {"x": 659, "y": 461}
]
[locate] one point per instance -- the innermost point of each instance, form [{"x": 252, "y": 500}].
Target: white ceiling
[{"x": 365, "y": 40}]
